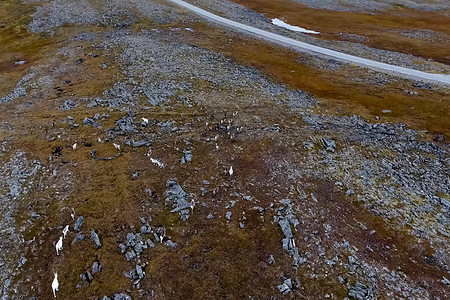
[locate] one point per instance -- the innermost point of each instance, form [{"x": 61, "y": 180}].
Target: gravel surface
[{"x": 275, "y": 196}]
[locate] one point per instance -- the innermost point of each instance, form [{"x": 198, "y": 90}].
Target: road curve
[{"x": 301, "y": 46}]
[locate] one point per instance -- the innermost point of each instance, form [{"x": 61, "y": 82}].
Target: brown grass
[
  {"x": 377, "y": 27},
  {"x": 338, "y": 90}
]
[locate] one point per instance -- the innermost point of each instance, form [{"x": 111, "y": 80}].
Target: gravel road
[{"x": 379, "y": 66}]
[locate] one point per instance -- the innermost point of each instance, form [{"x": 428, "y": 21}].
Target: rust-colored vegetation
[
  {"x": 339, "y": 90},
  {"x": 379, "y": 28}
]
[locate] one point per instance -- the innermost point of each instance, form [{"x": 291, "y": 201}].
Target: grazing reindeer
[
  {"x": 65, "y": 231},
  {"x": 55, "y": 285},
  {"x": 59, "y": 245}
]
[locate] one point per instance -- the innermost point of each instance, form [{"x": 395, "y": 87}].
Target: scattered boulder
[
  {"x": 329, "y": 144},
  {"x": 95, "y": 239},
  {"x": 308, "y": 145},
  {"x": 88, "y": 121},
  {"x": 286, "y": 218},
  {"x": 96, "y": 267},
  {"x": 285, "y": 287},
  {"x": 121, "y": 296},
  {"x": 150, "y": 244},
  {"x": 146, "y": 229},
  {"x": 349, "y": 192},
  {"x": 130, "y": 255},
  {"x": 35, "y": 215},
  {"x": 359, "y": 292},
  {"x": 79, "y": 224},
  {"x": 140, "y": 272},
  {"x": 79, "y": 237},
  {"x": 141, "y": 143},
  {"x": 177, "y": 197},
  {"x": 89, "y": 276},
  {"x": 125, "y": 125},
  {"x": 187, "y": 157},
  {"x": 170, "y": 244},
  {"x": 138, "y": 248},
  {"x": 68, "y": 105},
  {"x": 445, "y": 281}
]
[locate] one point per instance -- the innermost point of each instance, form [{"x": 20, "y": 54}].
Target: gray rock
[
  {"x": 138, "y": 248},
  {"x": 271, "y": 259},
  {"x": 35, "y": 215},
  {"x": 139, "y": 271},
  {"x": 170, "y": 244},
  {"x": 187, "y": 157},
  {"x": 89, "y": 276},
  {"x": 21, "y": 262},
  {"x": 83, "y": 277},
  {"x": 445, "y": 281},
  {"x": 285, "y": 218},
  {"x": 95, "y": 239},
  {"x": 68, "y": 105},
  {"x": 121, "y": 296},
  {"x": 131, "y": 274},
  {"x": 123, "y": 248},
  {"x": 96, "y": 267},
  {"x": 241, "y": 225},
  {"x": 157, "y": 239},
  {"x": 359, "y": 292},
  {"x": 329, "y": 144},
  {"x": 423, "y": 85},
  {"x": 79, "y": 224},
  {"x": 79, "y": 237},
  {"x": 284, "y": 289},
  {"x": 308, "y": 145},
  {"x": 210, "y": 216},
  {"x": 349, "y": 192},
  {"x": 125, "y": 125},
  {"x": 106, "y": 298},
  {"x": 228, "y": 215},
  {"x": 142, "y": 143},
  {"x": 444, "y": 203},
  {"x": 88, "y": 122},
  {"x": 150, "y": 244},
  {"x": 177, "y": 197},
  {"x": 132, "y": 239},
  {"x": 146, "y": 229},
  {"x": 130, "y": 255}
]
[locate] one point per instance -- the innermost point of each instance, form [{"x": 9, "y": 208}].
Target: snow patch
[{"x": 280, "y": 23}]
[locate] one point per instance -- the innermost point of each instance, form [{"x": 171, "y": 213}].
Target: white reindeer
[
  {"x": 55, "y": 285},
  {"x": 59, "y": 245},
  {"x": 193, "y": 204},
  {"x": 74, "y": 146},
  {"x": 117, "y": 146},
  {"x": 65, "y": 231},
  {"x": 231, "y": 172}
]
